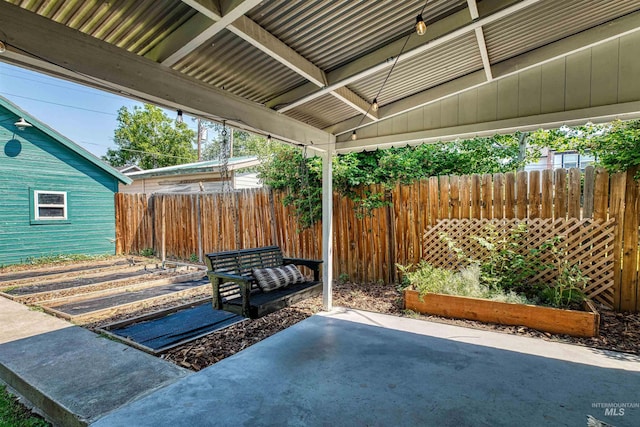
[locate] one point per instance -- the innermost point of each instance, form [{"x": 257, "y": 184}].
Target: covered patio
[
  {"x": 357, "y": 368},
  {"x": 343, "y": 76},
  {"x": 346, "y": 76}
]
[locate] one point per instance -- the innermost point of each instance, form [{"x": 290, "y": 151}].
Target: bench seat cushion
[{"x": 270, "y": 279}]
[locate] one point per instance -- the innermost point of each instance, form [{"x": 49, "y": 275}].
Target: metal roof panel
[
  {"x": 322, "y": 112},
  {"x": 134, "y": 25},
  {"x": 433, "y": 67},
  {"x": 549, "y": 21},
  {"x": 330, "y": 33},
  {"x": 228, "y": 62}
]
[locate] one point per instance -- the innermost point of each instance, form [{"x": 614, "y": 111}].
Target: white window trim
[{"x": 37, "y": 206}]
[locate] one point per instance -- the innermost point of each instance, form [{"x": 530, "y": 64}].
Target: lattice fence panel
[{"x": 587, "y": 243}]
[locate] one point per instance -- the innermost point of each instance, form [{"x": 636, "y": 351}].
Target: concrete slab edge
[{"x": 42, "y": 404}]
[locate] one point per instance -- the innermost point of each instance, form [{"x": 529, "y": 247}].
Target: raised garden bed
[{"x": 557, "y": 321}]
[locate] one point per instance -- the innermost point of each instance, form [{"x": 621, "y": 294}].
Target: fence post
[
  {"x": 390, "y": 237},
  {"x": 629, "y": 282},
  {"x": 118, "y": 202},
  {"x": 588, "y": 195},
  {"x": 164, "y": 231},
  {"x": 199, "y": 222},
  {"x": 616, "y": 211}
]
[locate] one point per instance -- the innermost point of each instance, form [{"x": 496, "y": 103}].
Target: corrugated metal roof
[
  {"x": 548, "y": 21},
  {"x": 330, "y": 33},
  {"x": 231, "y": 63},
  {"x": 433, "y": 67},
  {"x": 134, "y": 25},
  {"x": 197, "y": 167},
  {"x": 322, "y": 112}
]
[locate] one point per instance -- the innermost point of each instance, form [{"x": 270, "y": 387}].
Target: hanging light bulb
[
  {"x": 268, "y": 138},
  {"x": 374, "y": 106},
  {"x": 421, "y": 27},
  {"x": 179, "y": 118},
  {"x": 22, "y": 124},
  {"x": 354, "y": 136},
  {"x": 3, "y": 47}
]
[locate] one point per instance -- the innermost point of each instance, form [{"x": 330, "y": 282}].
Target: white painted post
[{"x": 327, "y": 226}]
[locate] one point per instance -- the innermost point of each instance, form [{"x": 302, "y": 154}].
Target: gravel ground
[{"x": 618, "y": 331}]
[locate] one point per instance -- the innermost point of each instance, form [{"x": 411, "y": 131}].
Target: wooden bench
[{"x": 236, "y": 290}]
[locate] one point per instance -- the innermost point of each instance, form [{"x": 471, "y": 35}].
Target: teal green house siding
[{"x": 38, "y": 158}]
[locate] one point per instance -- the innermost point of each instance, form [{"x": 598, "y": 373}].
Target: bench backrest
[{"x": 241, "y": 262}]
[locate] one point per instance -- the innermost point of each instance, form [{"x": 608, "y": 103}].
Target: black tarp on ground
[
  {"x": 166, "y": 332},
  {"x": 76, "y": 308}
]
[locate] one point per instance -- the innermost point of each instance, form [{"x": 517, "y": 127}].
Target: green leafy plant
[
  {"x": 568, "y": 290},
  {"x": 343, "y": 278},
  {"x": 194, "y": 258},
  {"x": 61, "y": 258},
  {"x": 281, "y": 169},
  {"x": 615, "y": 145},
  {"x": 148, "y": 137},
  {"x": 148, "y": 252},
  {"x": 425, "y": 278},
  {"x": 506, "y": 263}
]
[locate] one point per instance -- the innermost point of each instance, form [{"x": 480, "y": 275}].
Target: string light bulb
[
  {"x": 179, "y": 118},
  {"x": 421, "y": 27},
  {"x": 268, "y": 138},
  {"x": 354, "y": 136},
  {"x": 3, "y": 47},
  {"x": 374, "y": 105}
]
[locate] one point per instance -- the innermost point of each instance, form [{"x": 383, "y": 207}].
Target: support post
[
  {"x": 164, "y": 232},
  {"x": 327, "y": 226}
]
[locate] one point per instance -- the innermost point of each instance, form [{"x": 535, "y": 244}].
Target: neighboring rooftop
[
  {"x": 234, "y": 163},
  {"x": 62, "y": 139}
]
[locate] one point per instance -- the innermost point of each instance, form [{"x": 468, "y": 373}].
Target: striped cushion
[{"x": 270, "y": 279}]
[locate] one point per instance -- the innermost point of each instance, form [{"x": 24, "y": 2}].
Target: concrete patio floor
[{"x": 354, "y": 368}]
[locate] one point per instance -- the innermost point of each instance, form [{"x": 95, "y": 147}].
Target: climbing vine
[
  {"x": 302, "y": 181},
  {"x": 616, "y": 147}
]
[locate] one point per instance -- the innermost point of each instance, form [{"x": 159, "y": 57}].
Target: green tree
[
  {"x": 149, "y": 138},
  {"x": 616, "y": 145},
  {"x": 244, "y": 143},
  {"x": 284, "y": 170}
]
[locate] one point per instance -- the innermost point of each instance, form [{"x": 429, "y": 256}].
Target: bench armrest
[
  {"x": 313, "y": 264},
  {"x": 229, "y": 277},
  {"x": 243, "y": 282}
]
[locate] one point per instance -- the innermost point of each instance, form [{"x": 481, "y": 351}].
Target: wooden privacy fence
[
  {"x": 186, "y": 226},
  {"x": 586, "y": 243},
  {"x": 366, "y": 249}
]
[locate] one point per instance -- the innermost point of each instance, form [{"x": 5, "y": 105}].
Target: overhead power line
[{"x": 59, "y": 104}]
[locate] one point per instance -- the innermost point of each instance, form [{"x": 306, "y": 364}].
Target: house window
[
  {"x": 50, "y": 205},
  {"x": 572, "y": 160}
]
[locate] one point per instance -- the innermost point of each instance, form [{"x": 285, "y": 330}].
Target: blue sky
[{"x": 86, "y": 116}]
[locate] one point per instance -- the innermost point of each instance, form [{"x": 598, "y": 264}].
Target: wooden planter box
[{"x": 570, "y": 322}]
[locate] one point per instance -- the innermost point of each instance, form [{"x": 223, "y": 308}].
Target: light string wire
[{"x": 390, "y": 70}]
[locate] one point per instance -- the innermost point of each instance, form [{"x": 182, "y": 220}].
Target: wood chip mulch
[{"x": 618, "y": 331}]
